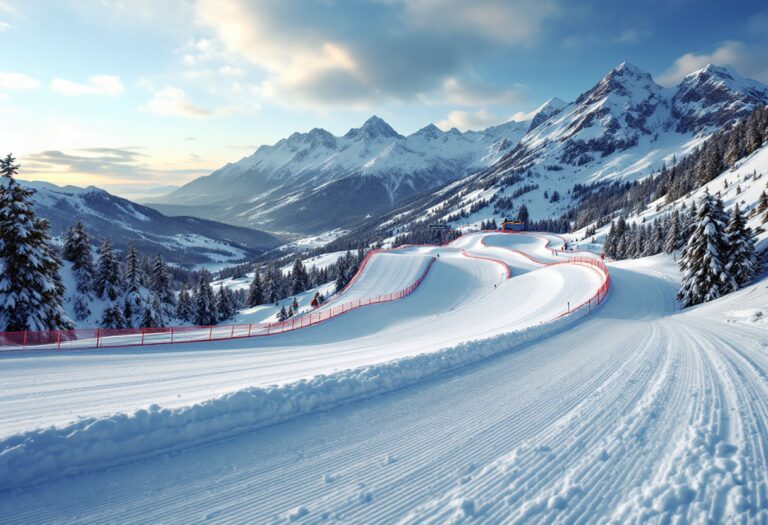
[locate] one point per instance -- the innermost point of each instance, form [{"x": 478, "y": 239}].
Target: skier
[{"x": 316, "y": 300}]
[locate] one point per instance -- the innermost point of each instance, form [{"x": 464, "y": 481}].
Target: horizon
[{"x": 130, "y": 115}]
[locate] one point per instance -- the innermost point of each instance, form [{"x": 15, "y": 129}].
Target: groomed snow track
[{"x": 638, "y": 414}]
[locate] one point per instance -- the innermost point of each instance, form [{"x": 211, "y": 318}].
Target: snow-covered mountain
[
  {"x": 623, "y": 128},
  {"x": 315, "y": 181},
  {"x": 181, "y": 240}
]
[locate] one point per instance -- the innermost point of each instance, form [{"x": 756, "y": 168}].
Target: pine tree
[
  {"x": 704, "y": 257},
  {"x": 762, "y": 203},
  {"x": 77, "y": 250},
  {"x": 672, "y": 241},
  {"x": 112, "y": 317},
  {"x": 152, "y": 317},
  {"x": 255, "y": 291},
  {"x": 205, "y": 302},
  {"x": 80, "y": 307},
  {"x": 282, "y": 315},
  {"x": 133, "y": 277},
  {"x": 298, "y": 277},
  {"x": 30, "y": 286},
  {"x": 523, "y": 215},
  {"x": 743, "y": 263},
  {"x": 108, "y": 273},
  {"x": 224, "y": 307},
  {"x": 162, "y": 282},
  {"x": 128, "y": 312},
  {"x": 184, "y": 306},
  {"x": 656, "y": 240}
]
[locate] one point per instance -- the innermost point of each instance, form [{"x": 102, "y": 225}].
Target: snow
[{"x": 451, "y": 405}]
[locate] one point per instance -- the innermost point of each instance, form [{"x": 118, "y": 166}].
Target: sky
[{"x": 137, "y": 95}]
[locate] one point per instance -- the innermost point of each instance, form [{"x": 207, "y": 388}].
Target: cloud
[
  {"x": 632, "y": 36},
  {"x": 231, "y": 71},
  {"x": 465, "y": 120},
  {"x": 396, "y": 49},
  {"x": 102, "y": 165},
  {"x": 173, "y": 101},
  {"x": 97, "y": 85},
  {"x": 5, "y": 26},
  {"x": 748, "y": 61},
  {"x": 509, "y": 22},
  {"x": 475, "y": 93},
  {"x": 17, "y": 81}
]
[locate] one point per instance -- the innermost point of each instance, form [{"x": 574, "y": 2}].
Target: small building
[{"x": 513, "y": 226}]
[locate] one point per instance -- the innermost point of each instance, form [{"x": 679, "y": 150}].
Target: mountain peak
[
  {"x": 372, "y": 128},
  {"x": 430, "y": 131}
]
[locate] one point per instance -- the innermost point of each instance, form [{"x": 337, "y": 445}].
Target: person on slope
[{"x": 316, "y": 300}]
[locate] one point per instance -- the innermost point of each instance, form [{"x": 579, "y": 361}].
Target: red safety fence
[{"x": 89, "y": 338}]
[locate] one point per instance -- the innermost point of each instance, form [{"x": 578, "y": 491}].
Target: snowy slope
[
  {"x": 743, "y": 184},
  {"x": 637, "y": 414},
  {"x": 181, "y": 240},
  {"x": 292, "y": 185}
]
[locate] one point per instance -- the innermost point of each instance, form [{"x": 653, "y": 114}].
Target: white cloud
[
  {"x": 507, "y": 21},
  {"x": 173, "y": 101},
  {"x": 465, "y": 120},
  {"x": 231, "y": 71},
  {"x": 5, "y": 26},
  {"x": 747, "y": 61},
  {"x": 474, "y": 93},
  {"x": 311, "y": 57},
  {"x": 17, "y": 81},
  {"x": 97, "y": 85},
  {"x": 632, "y": 36}
]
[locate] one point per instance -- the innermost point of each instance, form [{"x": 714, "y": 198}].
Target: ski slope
[{"x": 637, "y": 413}]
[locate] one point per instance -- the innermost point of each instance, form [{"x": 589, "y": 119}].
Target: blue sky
[{"x": 133, "y": 94}]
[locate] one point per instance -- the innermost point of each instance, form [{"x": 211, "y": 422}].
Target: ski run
[{"x": 477, "y": 398}]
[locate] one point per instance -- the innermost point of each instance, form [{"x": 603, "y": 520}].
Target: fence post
[
  {"x": 98, "y": 337},
  {"x": 210, "y": 333},
  {"x": 232, "y": 333},
  {"x": 58, "y": 341},
  {"x": 250, "y": 327},
  {"x": 269, "y": 327}
]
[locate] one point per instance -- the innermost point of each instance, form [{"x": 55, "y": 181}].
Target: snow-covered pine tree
[
  {"x": 224, "y": 307},
  {"x": 743, "y": 263},
  {"x": 255, "y": 291},
  {"x": 762, "y": 204},
  {"x": 704, "y": 257},
  {"x": 108, "y": 281},
  {"x": 282, "y": 315},
  {"x": 112, "y": 316},
  {"x": 133, "y": 277},
  {"x": 128, "y": 312},
  {"x": 80, "y": 307},
  {"x": 672, "y": 241},
  {"x": 30, "y": 286},
  {"x": 184, "y": 306},
  {"x": 152, "y": 316},
  {"x": 290, "y": 312},
  {"x": 77, "y": 250},
  {"x": 274, "y": 289},
  {"x": 162, "y": 283},
  {"x": 341, "y": 273},
  {"x": 205, "y": 302},
  {"x": 298, "y": 277}
]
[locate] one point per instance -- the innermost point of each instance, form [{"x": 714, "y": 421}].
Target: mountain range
[
  {"x": 624, "y": 127},
  {"x": 184, "y": 241}
]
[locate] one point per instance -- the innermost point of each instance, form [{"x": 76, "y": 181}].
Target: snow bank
[{"x": 42, "y": 455}]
